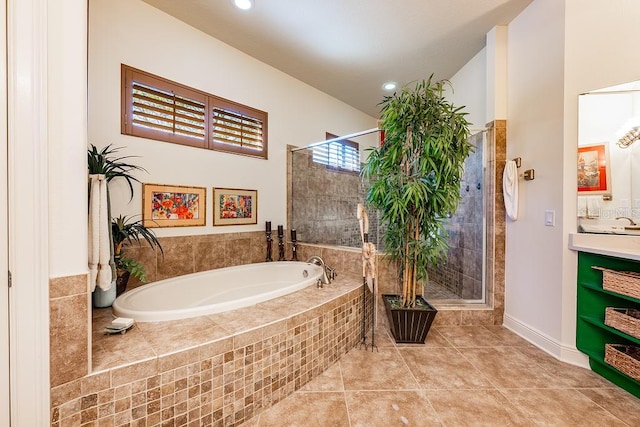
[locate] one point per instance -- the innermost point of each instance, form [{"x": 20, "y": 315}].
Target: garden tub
[{"x": 214, "y": 291}]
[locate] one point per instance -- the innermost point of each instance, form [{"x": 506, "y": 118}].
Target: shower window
[{"x": 341, "y": 155}]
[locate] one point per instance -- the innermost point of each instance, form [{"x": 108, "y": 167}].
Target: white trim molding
[
  {"x": 28, "y": 211},
  {"x": 563, "y": 352}
]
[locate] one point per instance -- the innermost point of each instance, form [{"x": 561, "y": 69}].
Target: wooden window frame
[{"x": 129, "y": 75}]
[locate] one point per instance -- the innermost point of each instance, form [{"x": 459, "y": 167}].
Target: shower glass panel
[{"x": 323, "y": 201}]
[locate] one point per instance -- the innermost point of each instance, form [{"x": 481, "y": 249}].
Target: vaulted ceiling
[{"x": 348, "y": 48}]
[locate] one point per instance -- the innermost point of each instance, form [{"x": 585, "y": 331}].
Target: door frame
[
  {"x": 5, "y": 414},
  {"x": 28, "y": 218}
]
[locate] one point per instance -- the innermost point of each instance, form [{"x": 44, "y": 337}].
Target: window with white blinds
[
  {"x": 160, "y": 109},
  {"x": 341, "y": 155}
]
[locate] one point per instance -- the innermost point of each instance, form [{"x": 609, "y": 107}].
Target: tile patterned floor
[{"x": 462, "y": 376}]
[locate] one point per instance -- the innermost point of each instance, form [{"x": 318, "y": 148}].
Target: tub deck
[{"x": 148, "y": 340}]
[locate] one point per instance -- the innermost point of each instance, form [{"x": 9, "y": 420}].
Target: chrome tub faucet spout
[{"x": 328, "y": 273}]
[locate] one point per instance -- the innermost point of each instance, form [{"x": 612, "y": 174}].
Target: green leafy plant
[
  {"x": 415, "y": 177},
  {"x": 129, "y": 230},
  {"x": 109, "y": 163}
]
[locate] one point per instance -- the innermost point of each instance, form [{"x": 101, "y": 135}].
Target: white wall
[
  {"x": 534, "y": 252},
  {"x": 497, "y": 77},
  {"x": 601, "y": 51},
  {"x": 298, "y": 114},
  {"x": 557, "y": 50},
  {"x": 67, "y": 132},
  {"x": 469, "y": 89}
]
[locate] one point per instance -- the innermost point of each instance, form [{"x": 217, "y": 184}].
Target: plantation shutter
[
  {"x": 342, "y": 155},
  {"x": 167, "y": 112},
  {"x": 163, "y": 110},
  {"x": 236, "y": 129}
]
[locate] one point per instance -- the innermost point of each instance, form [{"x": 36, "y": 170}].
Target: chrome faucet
[
  {"x": 328, "y": 273},
  {"x": 631, "y": 222}
]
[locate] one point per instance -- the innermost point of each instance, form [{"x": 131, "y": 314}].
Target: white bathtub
[{"x": 214, "y": 291}]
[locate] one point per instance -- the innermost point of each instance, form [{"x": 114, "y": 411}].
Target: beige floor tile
[
  {"x": 475, "y": 408},
  {"x": 443, "y": 368},
  {"x": 434, "y": 339},
  {"x": 390, "y": 408},
  {"x": 307, "y": 409},
  {"x": 617, "y": 401},
  {"x": 381, "y": 338},
  {"x": 383, "y": 369},
  {"x": 506, "y": 367},
  {"x": 507, "y": 337},
  {"x": 470, "y": 336},
  {"x": 329, "y": 380},
  {"x": 561, "y": 407},
  {"x": 564, "y": 375}
]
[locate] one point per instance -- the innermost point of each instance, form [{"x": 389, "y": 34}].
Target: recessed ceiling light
[
  {"x": 389, "y": 85},
  {"x": 243, "y": 4}
]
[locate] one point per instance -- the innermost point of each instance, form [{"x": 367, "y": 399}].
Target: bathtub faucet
[{"x": 328, "y": 273}]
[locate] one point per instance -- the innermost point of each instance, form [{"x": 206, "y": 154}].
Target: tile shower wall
[
  {"x": 324, "y": 203},
  {"x": 461, "y": 271}
]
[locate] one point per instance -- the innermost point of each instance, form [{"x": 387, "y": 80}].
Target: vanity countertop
[{"x": 621, "y": 246}]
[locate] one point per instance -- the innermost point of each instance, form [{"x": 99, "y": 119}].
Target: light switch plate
[{"x": 550, "y": 218}]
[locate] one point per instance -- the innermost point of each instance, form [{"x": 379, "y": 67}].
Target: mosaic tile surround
[{"x": 224, "y": 381}]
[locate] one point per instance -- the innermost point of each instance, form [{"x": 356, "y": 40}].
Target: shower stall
[{"x": 325, "y": 188}]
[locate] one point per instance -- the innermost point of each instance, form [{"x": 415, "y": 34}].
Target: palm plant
[
  {"x": 103, "y": 162},
  {"x": 127, "y": 230},
  {"x": 107, "y": 162},
  {"x": 415, "y": 177}
]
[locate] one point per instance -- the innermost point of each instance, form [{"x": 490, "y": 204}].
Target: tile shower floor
[{"x": 462, "y": 376}]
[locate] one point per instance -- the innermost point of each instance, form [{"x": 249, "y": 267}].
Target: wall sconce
[{"x": 630, "y": 137}]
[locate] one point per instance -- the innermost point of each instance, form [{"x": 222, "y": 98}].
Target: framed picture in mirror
[{"x": 594, "y": 170}]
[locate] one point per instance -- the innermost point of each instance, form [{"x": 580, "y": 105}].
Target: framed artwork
[
  {"x": 173, "y": 205},
  {"x": 232, "y": 206},
  {"x": 594, "y": 170}
]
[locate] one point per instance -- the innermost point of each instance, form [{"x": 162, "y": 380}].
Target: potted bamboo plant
[{"x": 415, "y": 185}]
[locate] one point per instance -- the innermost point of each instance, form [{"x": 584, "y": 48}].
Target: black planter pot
[
  {"x": 121, "y": 282},
  {"x": 409, "y": 325}
]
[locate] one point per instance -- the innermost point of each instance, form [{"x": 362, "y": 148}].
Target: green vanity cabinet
[{"x": 591, "y": 332}]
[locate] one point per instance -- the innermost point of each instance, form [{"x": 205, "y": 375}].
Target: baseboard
[{"x": 560, "y": 351}]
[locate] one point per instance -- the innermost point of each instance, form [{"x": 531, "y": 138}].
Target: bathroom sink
[{"x": 597, "y": 228}]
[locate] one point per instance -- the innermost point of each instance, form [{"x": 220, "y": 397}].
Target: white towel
[
  {"x": 510, "y": 189},
  {"x": 99, "y": 243}
]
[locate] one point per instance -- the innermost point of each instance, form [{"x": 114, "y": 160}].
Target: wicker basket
[
  {"x": 622, "y": 282},
  {"x": 625, "y": 358},
  {"x": 626, "y": 320}
]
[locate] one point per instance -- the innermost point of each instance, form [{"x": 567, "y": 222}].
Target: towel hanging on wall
[
  {"x": 99, "y": 238},
  {"x": 510, "y": 189}
]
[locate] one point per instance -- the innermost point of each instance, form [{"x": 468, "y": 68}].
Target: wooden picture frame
[
  {"x": 173, "y": 205},
  {"x": 233, "y": 206},
  {"x": 594, "y": 169}
]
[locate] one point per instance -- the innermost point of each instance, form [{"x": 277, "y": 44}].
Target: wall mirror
[{"x": 608, "y": 164}]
